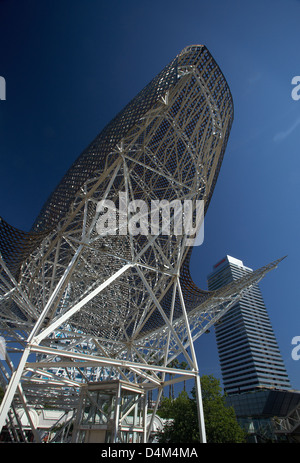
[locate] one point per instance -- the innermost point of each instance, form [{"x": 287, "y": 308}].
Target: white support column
[
  {"x": 145, "y": 409},
  {"x": 11, "y": 427},
  {"x": 117, "y": 414},
  {"x": 201, "y": 422},
  {"x": 171, "y": 319},
  {"x": 78, "y": 417},
  {"x": 197, "y": 378},
  {"x": 14, "y": 413},
  {"x": 24, "y": 402},
  {"x": 11, "y": 388},
  {"x": 184, "y": 312},
  {"x": 154, "y": 411}
]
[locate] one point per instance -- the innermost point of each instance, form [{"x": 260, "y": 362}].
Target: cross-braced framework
[
  {"x": 289, "y": 425},
  {"x": 83, "y": 308}
]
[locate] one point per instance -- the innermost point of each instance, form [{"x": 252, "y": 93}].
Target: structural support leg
[
  {"x": 117, "y": 415},
  {"x": 200, "y": 410},
  {"x": 145, "y": 408},
  {"x": 11, "y": 388}
]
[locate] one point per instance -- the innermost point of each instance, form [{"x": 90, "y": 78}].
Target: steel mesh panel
[
  {"x": 184, "y": 142},
  {"x": 94, "y": 156}
]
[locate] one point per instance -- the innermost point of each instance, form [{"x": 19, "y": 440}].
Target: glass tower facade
[{"x": 249, "y": 355}]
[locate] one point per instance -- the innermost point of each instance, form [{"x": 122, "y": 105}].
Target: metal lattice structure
[
  {"x": 289, "y": 425},
  {"x": 97, "y": 308}
]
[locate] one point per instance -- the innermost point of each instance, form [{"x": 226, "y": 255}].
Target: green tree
[
  {"x": 220, "y": 421},
  {"x": 182, "y": 427}
]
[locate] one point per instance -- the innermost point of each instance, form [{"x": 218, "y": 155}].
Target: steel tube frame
[{"x": 123, "y": 307}]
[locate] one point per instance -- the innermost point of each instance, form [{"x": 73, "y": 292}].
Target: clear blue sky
[{"x": 71, "y": 65}]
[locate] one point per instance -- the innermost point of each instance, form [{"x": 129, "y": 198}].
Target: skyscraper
[{"x": 248, "y": 351}]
